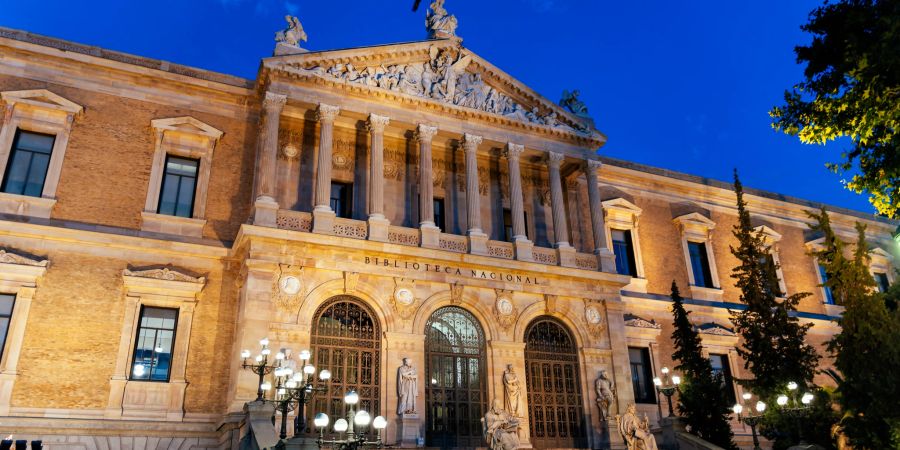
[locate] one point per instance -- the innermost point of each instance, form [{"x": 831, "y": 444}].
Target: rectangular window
[
  {"x": 624, "y": 251},
  {"x": 508, "y": 225},
  {"x": 700, "y": 264},
  {"x": 179, "y": 184},
  {"x": 641, "y": 375},
  {"x": 341, "y": 198},
  {"x": 720, "y": 366},
  {"x": 7, "y": 302},
  {"x": 881, "y": 279},
  {"x": 153, "y": 344},
  {"x": 829, "y": 298},
  {"x": 768, "y": 262},
  {"x": 29, "y": 159},
  {"x": 439, "y": 214}
]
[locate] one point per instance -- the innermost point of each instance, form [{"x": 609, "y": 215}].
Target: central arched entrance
[
  {"x": 455, "y": 392},
  {"x": 346, "y": 339},
  {"x": 555, "y": 406}
]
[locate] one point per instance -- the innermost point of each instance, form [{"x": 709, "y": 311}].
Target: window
[
  {"x": 7, "y": 302},
  {"x": 720, "y": 365},
  {"x": 28, "y": 163},
  {"x": 823, "y": 275},
  {"x": 341, "y": 198},
  {"x": 153, "y": 345},
  {"x": 641, "y": 375},
  {"x": 439, "y": 214},
  {"x": 179, "y": 185},
  {"x": 700, "y": 264},
  {"x": 773, "y": 284},
  {"x": 508, "y": 225},
  {"x": 624, "y": 251},
  {"x": 881, "y": 279}
]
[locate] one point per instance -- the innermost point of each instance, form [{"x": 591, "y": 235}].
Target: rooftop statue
[
  {"x": 570, "y": 102},
  {"x": 439, "y": 23},
  {"x": 289, "y": 39}
]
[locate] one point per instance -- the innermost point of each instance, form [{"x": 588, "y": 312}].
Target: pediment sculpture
[
  {"x": 714, "y": 329},
  {"x": 293, "y": 35},
  {"x": 439, "y": 23},
  {"x": 13, "y": 258},
  {"x": 163, "y": 274},
  {"x": 639, "y": 322}
]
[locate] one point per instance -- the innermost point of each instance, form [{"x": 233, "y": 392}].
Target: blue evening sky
[{"x": 682, "y": 85}]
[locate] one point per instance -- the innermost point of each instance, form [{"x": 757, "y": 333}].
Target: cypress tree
[
  {"x": 774, "y": 348},
  {"x": 702, "y": 401}
]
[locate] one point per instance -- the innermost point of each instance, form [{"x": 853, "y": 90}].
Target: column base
[
  {"x": 478, "y": 242},
  {"x": 265, "y": 212},
  {"x": 566, "y": 255},
  {"x": 524, "y": 250},
  {"x": 606, "y": 260},
  {"x": 323, "y": 221},
  {"x": 429, "y": 236},
  {"x": 408, "y": 430},
  {"x": 378, "y": 228}
]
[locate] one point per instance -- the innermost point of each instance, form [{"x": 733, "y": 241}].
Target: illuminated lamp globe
[
  {"x": 782, "y": 400},
  {"x": 279, "y": 356},
  {"x": 362, "y": 419},
  {"x": 321, "y": 420},
  {"x": 807, "y": 398},
  {"x": 304, "y": 355},
  {"x": 760, "y": 406},
  {"x": 657, "y": 381},
  {"x": 309, "y": 369},
  {"x": 325, "y": 375},
  {"x": 340, "y": 425},
  {"x": 665, "y": 370},
  {"x": 264, "y": 342},
  {"x": 379, "y": 423},
  {"x": 792, "y": 386},
  {"x": 266, "y": 386},
  {"x": 245, "y": 354},
  {"x": 746, "y": 395},
  {"x": 676, "y": 379},
  {"x": 351, "y": 398},
  {"x": 737, "y": 408}
]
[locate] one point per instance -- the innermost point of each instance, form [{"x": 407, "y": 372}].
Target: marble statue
[
  {"x": 571, "y": 102},
  {"x": 407, "y": 388},
  {"x": 293, "y": 34},
  {"x": 438, "y": 22},
  {"x": 605, "y": 394},
  {"x": 511, "y": 391},
  {"x": 636, "y": 432},
  {"x": 501, "y": 429}
]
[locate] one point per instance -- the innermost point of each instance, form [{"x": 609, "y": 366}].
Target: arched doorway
[
  {"x": 555, "y": 406},
  {"x": 455, "y": 392},
  {"x": 346, "y": 339}
]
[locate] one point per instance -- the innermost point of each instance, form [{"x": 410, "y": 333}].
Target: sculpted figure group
[
  {"x": 634, "y": 431},
  {"x": 501, "y": 429}
]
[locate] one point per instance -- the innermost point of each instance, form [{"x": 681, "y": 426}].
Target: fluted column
[
  {"x": 516, "y": 203},
  {"x": 265, "y": 206},
  {"x": 565, "y": 252},
  {"x": 606, "y": 260},
  {"x": 477, "y": 238},
  {"x": 323, "y": 216},
  {"x": 430, "y": 233},
  {"x": 378, "y": 224}
]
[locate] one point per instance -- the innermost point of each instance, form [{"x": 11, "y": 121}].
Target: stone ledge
[
  {"x": 24, "y": 205},
  {"x": 705, "y": 293},
  {"x": 182, "y": 226}
]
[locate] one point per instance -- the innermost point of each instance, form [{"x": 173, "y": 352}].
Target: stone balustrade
[
  {"x": 453, "y": 243},
  {"x": 403, "y": 236},
  {"x": 356, "y": 229},
  {"x": 501, "y": 249},
  {"x": 294, "y": 220}
]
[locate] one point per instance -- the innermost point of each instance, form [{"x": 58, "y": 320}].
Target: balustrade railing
[
  {"x": 587, "y": 261},
  {"x": 501, "y": 249},
  {"x": 453, "y": 243},
  {"x": 293, "y": 220},
  {"x": 356, "y": 229},
  {"x": 544, "y": 255},
  {"x": 403, "y": 236}
]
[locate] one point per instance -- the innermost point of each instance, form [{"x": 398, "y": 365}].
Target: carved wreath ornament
[
  {"x": 403, "y": 299},
  {"x": 593, "y": 318},
  {"x": 504, "y": 310},
  {"x": 287, "y": 287}
]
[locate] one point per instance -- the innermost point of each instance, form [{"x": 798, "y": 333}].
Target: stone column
[
  {"x": 606, "y": 260},
  {"x": 323, "y": 216},
  {"x": 430, "y": 234},
  {"x": 516, "y": 203},
  {"x": 378, "y": 224},
  {"x": 265, "y": 207},
  {"x": 477, "y": 238},
  {"x": 560, "y": 225}
]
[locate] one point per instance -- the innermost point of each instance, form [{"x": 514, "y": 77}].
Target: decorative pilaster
[
  {"x": 560, "y": 225},
  {"x": 516, "y": 203},
  {"x": 265, "y": 207},
  {"x": 606, "y": 260},
  {"x": 323, "y": 216},
  {"x": 477, "y": 238},
  {"x": 430, "y": 233},
  {"x": 378, "y": 224}
]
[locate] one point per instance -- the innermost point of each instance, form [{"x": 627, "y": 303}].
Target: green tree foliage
[
  {"x": 773, "y": 340},
  {"x": 852, "y": 89},
  {"x": 702, "y": 402},
  {"x": 867, "y": 350}
]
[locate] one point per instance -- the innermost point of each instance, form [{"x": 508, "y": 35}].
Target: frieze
[
  {"x": 7, "y": 257},
  {"x": 163, "y": 274},
  {"x": 452, "y": 270}
]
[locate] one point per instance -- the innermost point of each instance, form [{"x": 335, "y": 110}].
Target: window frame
[
  {"x": 138, "y": 328},
  {"x": 727, "y": 376},
  {"x": 345, "y": 199},
  {"x": 881, "y": 262},
  {"x": 12, "y": 153},
  {"x": 620, "y": 214},
  {"x": 647, "y": 364},
  {"x": 771, "y": 240},
  {"x": 162, "y": 187},
  {"x": 697, "y": 228},
  {"x": 5, "y": 334},
  {"x": 440, "y": 219},
  {"x": 629, "y": 256}
]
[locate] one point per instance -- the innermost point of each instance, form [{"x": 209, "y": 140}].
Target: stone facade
[{"x": 65, "y": 375}]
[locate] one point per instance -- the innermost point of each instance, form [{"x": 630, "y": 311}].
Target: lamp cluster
[
  {"x": 350, "y": 431},
  {"x": 788, "y": 404},
  {"x": 667, "y": 386}
]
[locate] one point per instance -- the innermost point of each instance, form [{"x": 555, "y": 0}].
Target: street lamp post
[
  {"x": 795, "y": 408},
  {"x": 750, "y": 418},
  {"x": 260, "y": 367},
  {"x": 291, "y": 387},
  {"x": 667, "y": 386},
  {"x": 354, "y": 425}
]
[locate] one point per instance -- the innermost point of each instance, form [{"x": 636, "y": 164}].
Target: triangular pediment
[
  {"x": 438, "y": 73},
  {"x": 714, "y": 329},
  {"x": 188, "y": 125},
  {"x": 696, "y": 219},
  {"x": 42, "y": 98}
]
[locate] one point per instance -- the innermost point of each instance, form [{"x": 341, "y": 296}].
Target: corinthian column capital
[
  {"x": 425, "y": 132},
  {"x": 555, "y": 159},
  {"x": 377, "y": 123},
  {"x": 327, "y": 113},
  {"x": 273, "y": 100},
  {"x": 592, "y": 165},
  {"x": 513, "y": 151},
  {"x": 470, "y": 142}
]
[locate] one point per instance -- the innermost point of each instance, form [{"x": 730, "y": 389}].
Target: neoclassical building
[{"x": 368, "y": 205}]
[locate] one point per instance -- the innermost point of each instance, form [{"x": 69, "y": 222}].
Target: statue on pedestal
[
  {"x": 293, "y": 34},
  {"x": 407, "y": 388},
  {"x": 570, "y": 102},
  {"x": 636, "y": 432},
  {"x": 605, "y": 394},
  {"x": 511, "y": 391},
  {"x": 440, "y": 24},
  {"x": 501, "y": 430}
]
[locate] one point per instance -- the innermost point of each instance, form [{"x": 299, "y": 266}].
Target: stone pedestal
[
  {"x": 606, "y": 260},
  {"x": 612, "y": 436},
  {"x": 259, "y": 416},
  {"x": 282, "y": 49},
  {"x": 407, "y": 430},
  {"x": 323, "y": 221},
  {"x": 566, "y": 255},
  {"x": 265, "y": 212},
  {"x": 670, "y": 426},
  {"x": 524, "y": 249},
  {"x": 429, "y": 236},
  {"x": 478, "y": 243},
  {"x": 378, "y": 229}
]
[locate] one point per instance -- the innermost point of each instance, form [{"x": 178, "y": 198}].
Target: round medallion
[
  {"x": 289, "y": 285},
  {"x": 504, "y": 306},
  {"x": 592, "y": 315},
  {"x": 290, "y": 150},
  {"x": 404, "y": 296}
]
